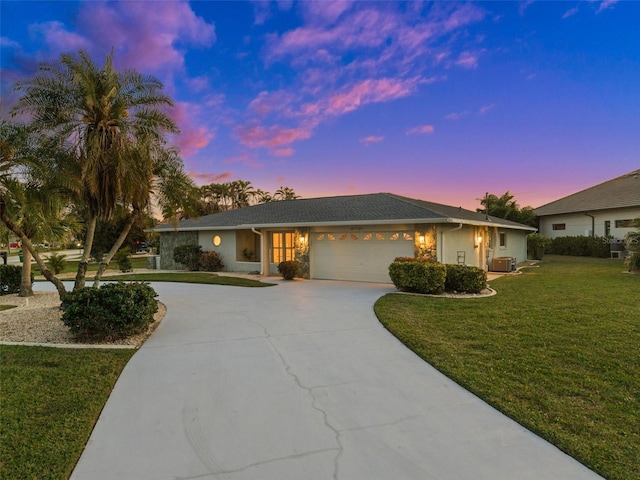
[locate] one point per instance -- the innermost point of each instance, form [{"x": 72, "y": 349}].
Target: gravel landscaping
[{"x": 37, "y": 320}]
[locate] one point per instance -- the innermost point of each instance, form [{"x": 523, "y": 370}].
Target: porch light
[
  {"x": 479, "y": 239},
  {"x": 421, "y": 239},
  {"x": 302, "y": 239}
]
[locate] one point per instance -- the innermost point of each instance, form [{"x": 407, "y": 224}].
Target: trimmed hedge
[
  {"x": 580, "y": 246},
  {"x": 418, "y": 276},
  {"x": 188, "y": 255},
  {"x": 289, "y": 269},
  {"x": 115, "y": 310},
  {"x": 10, "y": 278},
  {"x": 210, "y": 262},
  {"x": 465, "y": 279}
]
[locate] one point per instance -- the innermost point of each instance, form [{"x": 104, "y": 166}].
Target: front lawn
[
  {"x": 189, "y": 277},
  {"x": 50, "y": 400},
  {"x": 557, "y": 350}
]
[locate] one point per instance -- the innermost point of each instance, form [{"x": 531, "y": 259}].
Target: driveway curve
[{"x": 298, "y": 381}]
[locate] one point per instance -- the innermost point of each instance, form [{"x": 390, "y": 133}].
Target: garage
[{"x": 362, "y": 256}]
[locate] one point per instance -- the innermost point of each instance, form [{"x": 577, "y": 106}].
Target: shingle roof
[
  {"x": 370, "y": 208},
  {"x": 620, "y": 192}
]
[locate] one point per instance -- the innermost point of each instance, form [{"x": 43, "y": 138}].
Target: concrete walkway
[{"x": 300, "y": 382}]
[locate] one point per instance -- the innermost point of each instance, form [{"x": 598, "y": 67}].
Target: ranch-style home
[
  {"x": 352, "y": 237},
  {"x": 606, "y": 209}
]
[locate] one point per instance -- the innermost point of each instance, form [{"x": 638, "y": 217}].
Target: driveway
[{"x": 300, "y": 382}]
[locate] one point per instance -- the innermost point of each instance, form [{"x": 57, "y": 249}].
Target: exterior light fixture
[
  {"x": 479, "y": 239},
  {"x": 421, "y": 239},
  {"x": 302, "y": 239}
]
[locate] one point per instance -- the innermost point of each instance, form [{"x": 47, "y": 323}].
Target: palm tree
[
  {"x": 285, "y": 193},
  {"x": 165, "y": 179},
  {"x": 33, "y": 212},
  {"x": 105, "y": 116}
]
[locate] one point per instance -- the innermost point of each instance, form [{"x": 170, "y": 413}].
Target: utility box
[
  {"x": 153, "y": 262},
  {"x": 503, "y": 264}
]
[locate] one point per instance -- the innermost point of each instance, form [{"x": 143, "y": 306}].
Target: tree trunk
[
  {"x": 114, "y": 249},
  {"x": 26, "y": 244},
  {"x": 86, "y": 253},
  {"x": 26, "y": 289}
]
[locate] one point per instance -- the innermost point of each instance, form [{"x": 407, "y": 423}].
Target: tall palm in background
[{"x": 109, "y": 119}]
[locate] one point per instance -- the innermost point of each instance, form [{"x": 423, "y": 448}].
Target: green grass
[
  {"x": 51, "y": 399},
  {"x": 557, "y": 350},
  {"x": 190, "y": 277},
  {"x": 71, "y": 266}
]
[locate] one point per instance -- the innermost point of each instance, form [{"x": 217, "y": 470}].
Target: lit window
[
  {"x": 406, "y": 236},
  {"x": 321, "y": 236},
  {"x": 379, "y": 236},
  {"x": 282, "y": 246},
  {"x": 330, "y": 237},
  {"x": 343, "y": 236},
  {"x": 216, "y": 240},
  {"x": 354, "y": 236},
  {"x": 395, "y": 236},
  {"x": 368, "y": 236},
  {"x": 624, "y": 223}
]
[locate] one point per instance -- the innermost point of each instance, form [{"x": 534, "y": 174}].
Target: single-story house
[
  {"x": 352, "y": 237},
  {"x": 607, "y": 209}
]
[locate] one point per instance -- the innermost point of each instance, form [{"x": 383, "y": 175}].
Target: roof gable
[
  {"x": 369, "y": 208},
  {"x": 620, "y": 192}
]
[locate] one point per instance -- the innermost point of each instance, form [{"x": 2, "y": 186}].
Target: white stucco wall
[
  {"x": 580, "y": 224},
  {"x": 226, "y": 250}
]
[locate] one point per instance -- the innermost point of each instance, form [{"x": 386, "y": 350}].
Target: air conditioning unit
[{"x": 503, "y": 264}]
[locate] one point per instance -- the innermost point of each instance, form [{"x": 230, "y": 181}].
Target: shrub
[
  {"x": 465, "y": 279},
  {"x": 56, "y": 263},
  {"x": 188, "y": 255},
  {"x": 633, "y": 262},
  {"x": 210, "y": 262},
  {"x": 415, "y": 259},
  {"x": 289, "y": 269},
  {"x": 580, "y": 246},
  {"x": 123, "y": 257},
  {"x": 10, "y": 278},
  {"x": 115, "y": 310},
  {"x": 536, "y": 245},
  {"x": 418, "y": 276}
]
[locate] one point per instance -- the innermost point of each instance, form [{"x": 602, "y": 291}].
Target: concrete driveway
[{"x": 300, "y": 382}]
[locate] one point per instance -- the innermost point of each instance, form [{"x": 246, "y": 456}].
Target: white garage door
[{"x": 358, "y": 256}]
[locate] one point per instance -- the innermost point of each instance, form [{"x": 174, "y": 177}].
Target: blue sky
[{"x": 442, "y": 101}]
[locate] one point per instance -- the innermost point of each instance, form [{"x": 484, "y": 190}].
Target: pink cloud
[
  {"x": 58, "y": 39},
  {"x": 369, "y": 91},
  {"x": 283, "y": 152},
  {"x": 274, "y": 138},
  {"x": 205, "y": 178},
  {"x": 145, "y": 38},
  {"x": 327, "y": 11},
  {"x": 467, "y": 60},
  {"x": 422, "y": 130},
  {"x": 571, "y": 12},
  {"x": 372, "y": 139},
  {"x": 193, "y": 136},
  {"x": 605, "y": 4},
  {"x": 456, "y": 115},
  {"x": 485, "y": 108}
]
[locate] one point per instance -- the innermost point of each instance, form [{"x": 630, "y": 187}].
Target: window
[
  {"x": 282, "y": 246},
  {"x": 503, "y": 239},
  {"x": 559, "y": 226},
  {"x": 624, "y": 223},
  {"x": 607, "y": 228}
]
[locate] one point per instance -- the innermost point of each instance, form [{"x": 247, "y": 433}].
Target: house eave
[{"x": 438, "y": 220}]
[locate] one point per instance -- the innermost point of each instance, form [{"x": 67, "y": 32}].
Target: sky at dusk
[{"x": 441, "y": 101}]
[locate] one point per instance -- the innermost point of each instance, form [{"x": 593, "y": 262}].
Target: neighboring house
[
  {"x": 608, "y": 209},
  {"x": 352, "y": 237}
]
